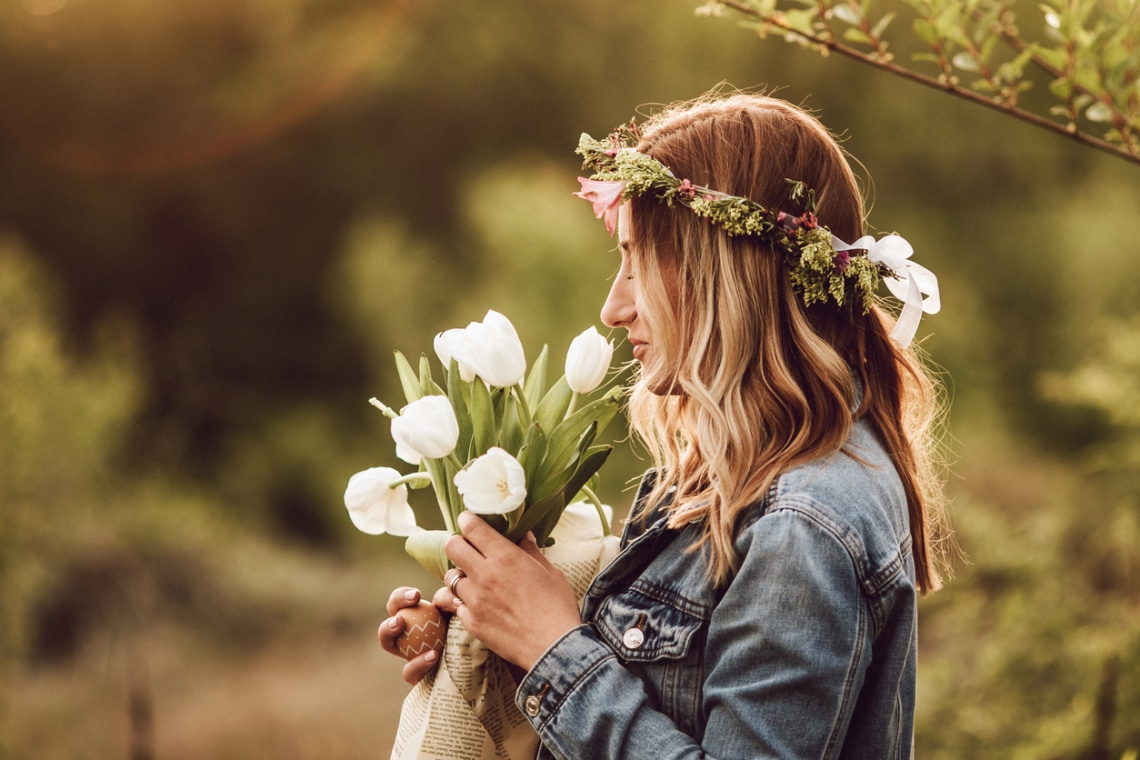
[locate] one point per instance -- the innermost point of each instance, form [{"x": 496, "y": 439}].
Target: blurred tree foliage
[
  {"x": 63, "y": 424},
  {"x": 220, "y": 219},
  {"x": 1088, "y": 51}
]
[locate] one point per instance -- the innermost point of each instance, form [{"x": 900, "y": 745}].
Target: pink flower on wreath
[
  {"x": 687, "y": 190},
  {"x": 808, "y": 221},
  {"x": 842, "y": 259},
  {"x": 605, "y": 195}
]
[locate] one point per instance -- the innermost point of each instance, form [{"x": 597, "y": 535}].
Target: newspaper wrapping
[{"x": 465, "y": 709}]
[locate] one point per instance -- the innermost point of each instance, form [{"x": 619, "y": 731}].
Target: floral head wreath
[{"x": 821, "y": 266}]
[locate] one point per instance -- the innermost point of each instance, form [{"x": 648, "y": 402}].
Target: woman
[{"x": 764, "y": 602}]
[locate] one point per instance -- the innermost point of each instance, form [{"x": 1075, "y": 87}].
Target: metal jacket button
[
  {"x": 533, "y": 704},
  {"x": 633, "y": 638}
]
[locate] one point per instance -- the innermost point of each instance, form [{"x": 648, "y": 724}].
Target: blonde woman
[{"x": 764, "y": 601}]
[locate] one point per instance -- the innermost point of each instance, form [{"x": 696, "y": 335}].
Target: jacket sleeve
[{"x": 783, "y": 662}]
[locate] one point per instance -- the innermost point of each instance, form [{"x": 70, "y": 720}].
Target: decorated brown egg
[{"x": 424, "y": 629}]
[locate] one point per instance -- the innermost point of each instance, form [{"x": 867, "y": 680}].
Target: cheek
[{"x": 662, "y": 306}]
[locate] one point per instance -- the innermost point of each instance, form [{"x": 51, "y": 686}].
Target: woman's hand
[
  {"x": 509, "y": 597},
  {"x": 390, "y": 630}
]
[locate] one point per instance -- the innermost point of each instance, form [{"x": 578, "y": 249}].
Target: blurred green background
[{"x": 219, "y": 219}]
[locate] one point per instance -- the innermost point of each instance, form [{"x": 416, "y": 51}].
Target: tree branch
[{"x": 1069, "y": 130}]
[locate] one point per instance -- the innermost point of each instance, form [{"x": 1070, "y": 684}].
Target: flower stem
[
  {"x": 414, "y": 479},
  {"x": 573, "y": 403},
  {"x": 454, "y": 459},
  {"x": 437, "y": 469},
  {"x": 454, "y": 500},
  {"x": 593, "y": 497}
]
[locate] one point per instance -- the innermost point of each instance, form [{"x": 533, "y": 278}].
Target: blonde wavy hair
[{"x": 757, "y": 383}]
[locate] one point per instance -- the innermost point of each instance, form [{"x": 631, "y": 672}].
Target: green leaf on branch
[
  {"x": 926, "y": 32},
  {"x": 847, "y": 14},
  {"x": 1089, "y": 48},
  {"x": 1099, "y": 112},
  {"x": 802, "y": 21},
  {"x": 965, "y": 62},
  {"x": 881, "y": 26}
]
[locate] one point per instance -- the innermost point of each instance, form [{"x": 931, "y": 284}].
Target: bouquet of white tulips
[
  {"x": 493, "y": 439},
  {"x": 490, "y": 438}
]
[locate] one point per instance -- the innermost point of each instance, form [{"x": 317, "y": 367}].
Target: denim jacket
[{"x": 808, "y": 651}]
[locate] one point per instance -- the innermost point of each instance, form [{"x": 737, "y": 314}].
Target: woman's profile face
[{"x": 625, "y": 307}]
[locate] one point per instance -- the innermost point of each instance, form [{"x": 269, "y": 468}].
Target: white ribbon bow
[{"x": 913, "y": 281}]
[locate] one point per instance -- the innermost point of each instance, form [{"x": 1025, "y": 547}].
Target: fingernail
[
  {"x": 430, "y": 656},
  {"x": 463, "y": 520},
  {"x": 410, "y": 595},
  {"x": 393, "y": 622}
]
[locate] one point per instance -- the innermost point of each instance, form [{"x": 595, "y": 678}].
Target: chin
[{"x": 660, "y": 383}]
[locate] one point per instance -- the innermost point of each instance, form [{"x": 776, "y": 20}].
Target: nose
[{"x": 620, "y": 309}]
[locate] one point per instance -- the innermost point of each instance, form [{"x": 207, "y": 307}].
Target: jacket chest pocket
[
  {"x": 663, "y": 644},
  {"x": 642, "y": 628}
]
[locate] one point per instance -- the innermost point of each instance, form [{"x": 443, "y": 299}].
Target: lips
[{"x": 639, "y": 348}]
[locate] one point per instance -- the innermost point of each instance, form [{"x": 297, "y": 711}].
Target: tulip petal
[
  {"x": 427, "y": 428},
  {"x": 493, "y": 484},
  {"x": 375, "y": 507},
  {"x": 588, "y": 360}
]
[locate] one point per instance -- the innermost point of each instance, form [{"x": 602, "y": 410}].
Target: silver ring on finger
[{"x": 459, "y": 575}]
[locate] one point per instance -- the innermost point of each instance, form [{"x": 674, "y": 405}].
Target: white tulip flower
[
  {"x": 375, "y": 507},
  {"x": 493, "y": 484},
  {"x": 588, "y": 360},
  {"x": 493, "y": 349},
  {"x": 449, "y": 345},
  {"x": 427, "y": 428}
]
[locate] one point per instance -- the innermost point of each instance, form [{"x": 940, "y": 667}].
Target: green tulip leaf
[
  {"x": 532, "y": 453},
  {"x": 427, "y": 549},
  {"x": 589, "y": 465},
  {"x": 552, "y": 409},
  {"x": 427, "y": 384},
  {"x": 454, "y": 500},
  {"x": 511, "y": 427},
  {"x": 557, "y": 467},
  {"x": 535, "y": 515},
  {"x": 485, "y": 431},
  {"x": 567, "y": 436},
  {"x": 408, "y": 380},
  {"x": 436, "y": 468},
  {"x": 456, "y": 394},
  {"x": 535, "y": 383}
]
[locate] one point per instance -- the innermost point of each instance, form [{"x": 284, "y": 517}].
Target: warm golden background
[{"x": 219, "y": 218}]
